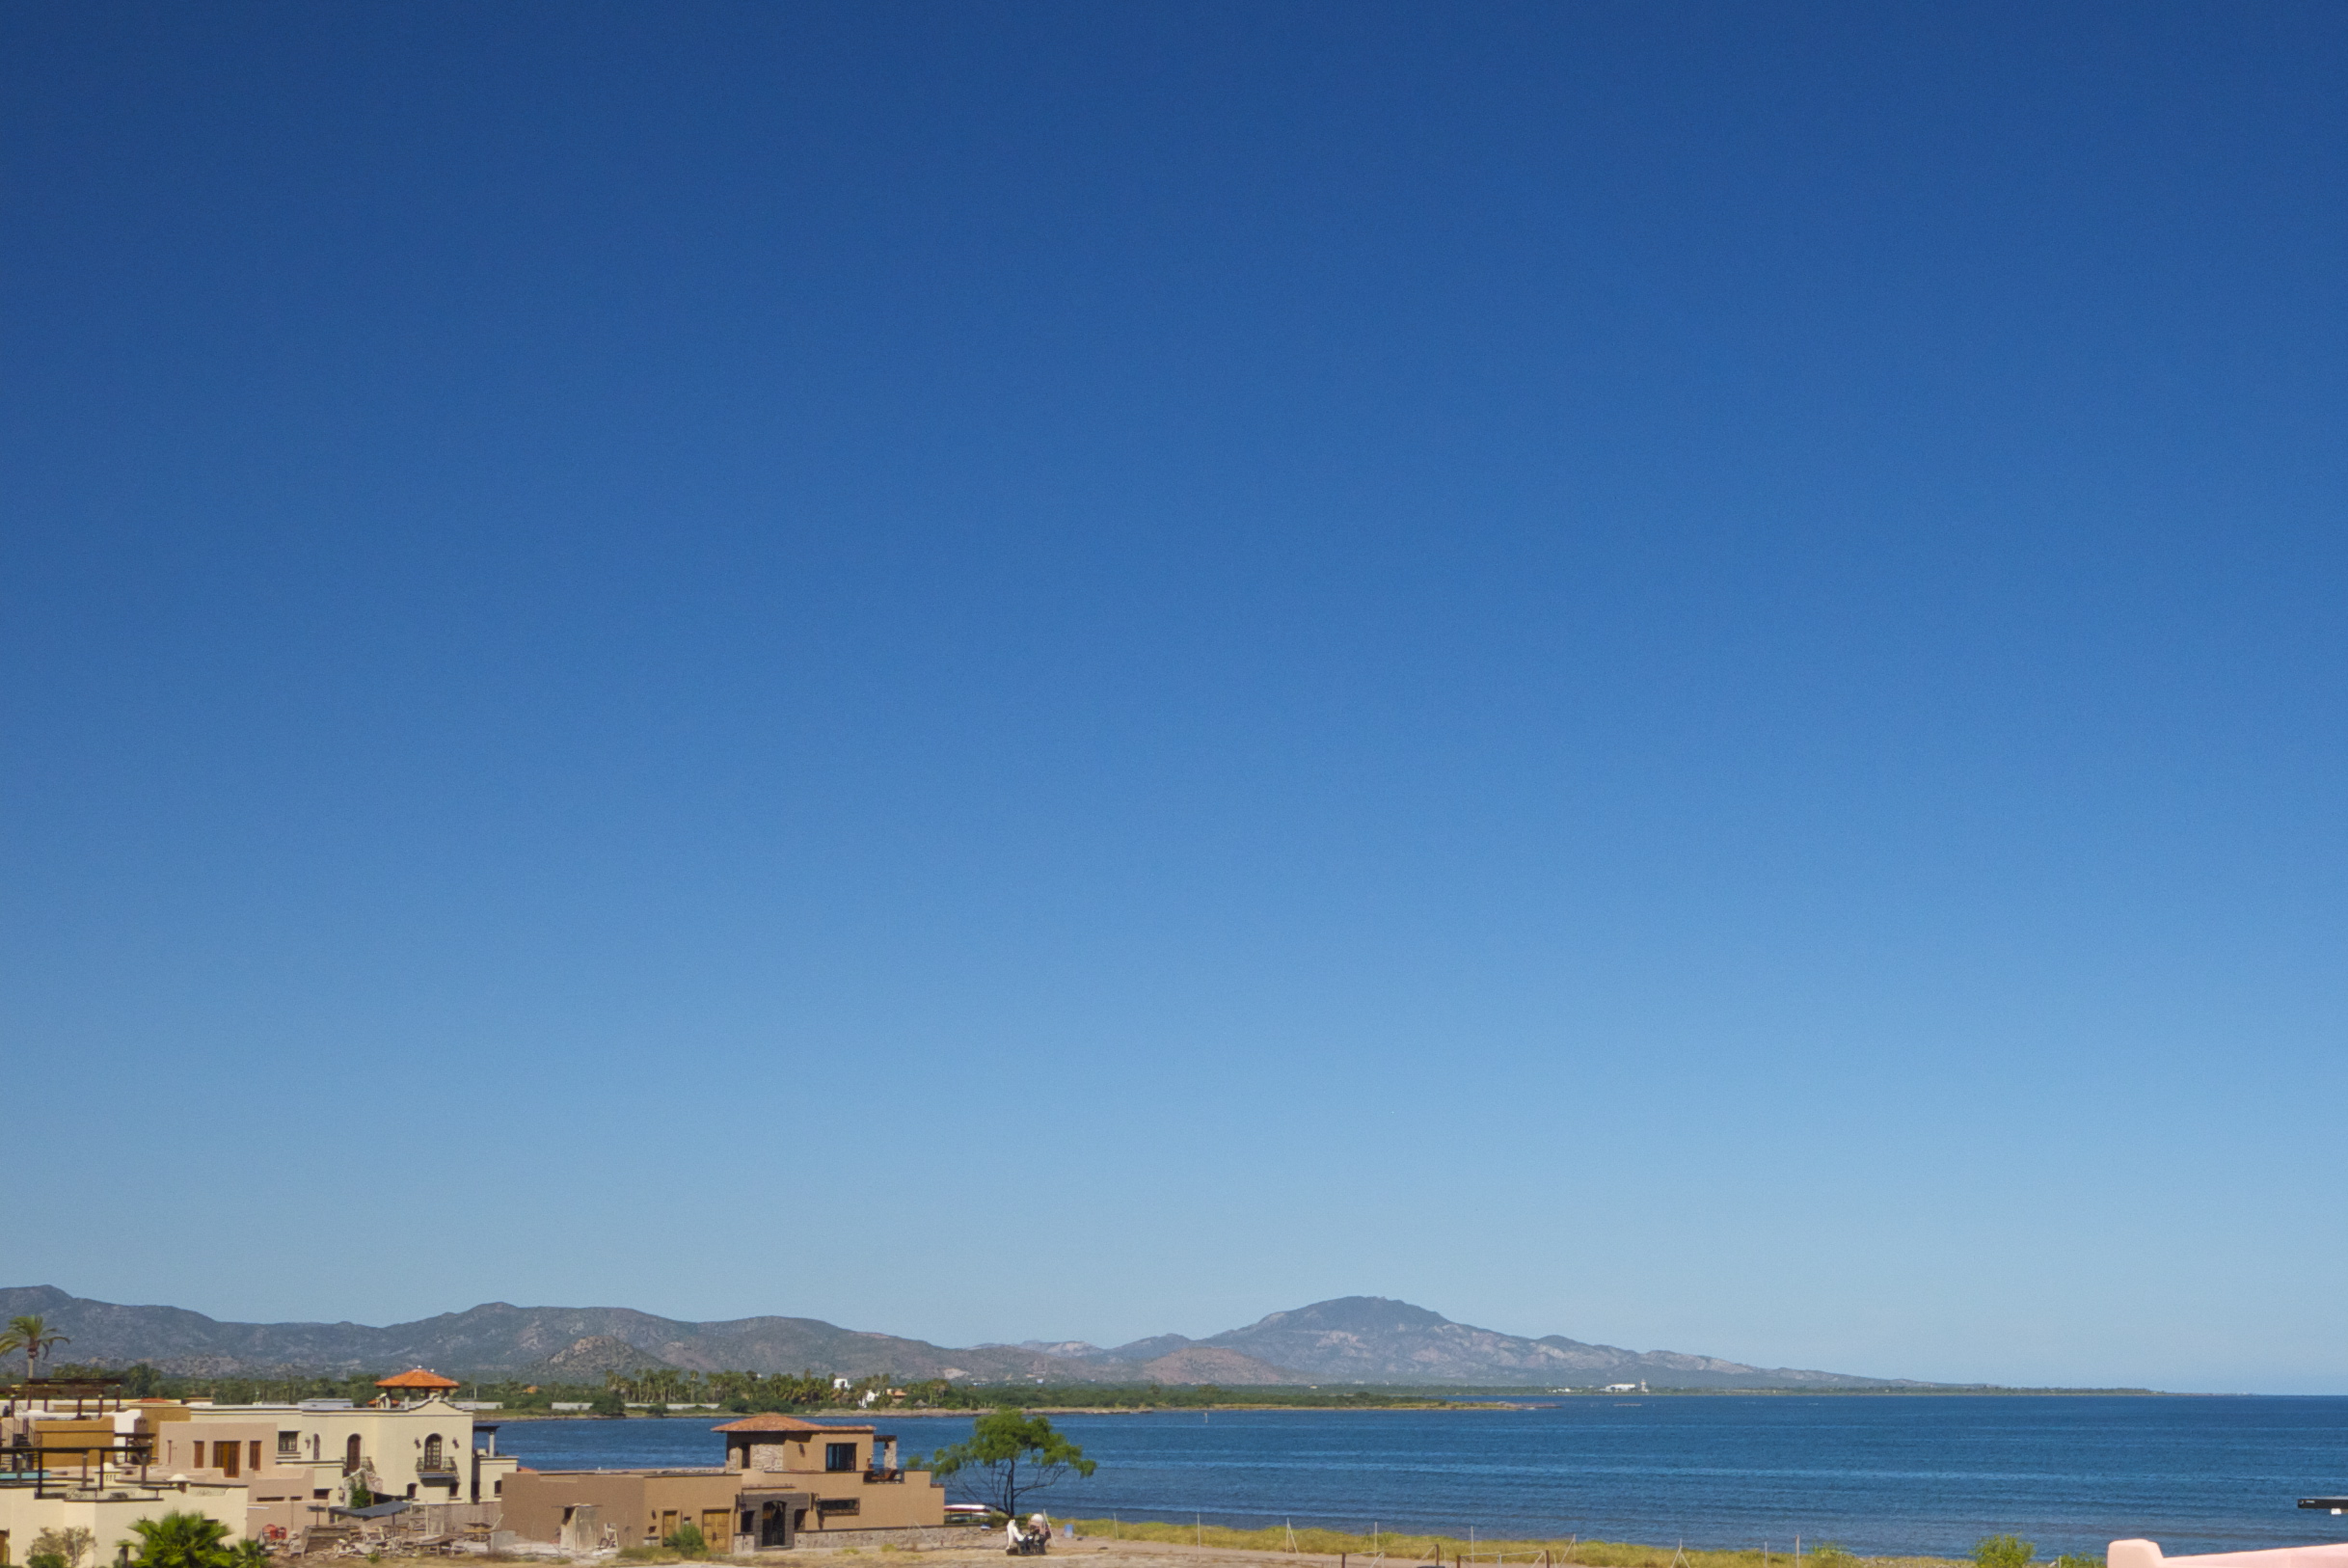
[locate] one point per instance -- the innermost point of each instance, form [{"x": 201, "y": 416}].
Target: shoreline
[
  {"x": 1402, "y": 1405},
  {"x": 1132, "y": 1551}
]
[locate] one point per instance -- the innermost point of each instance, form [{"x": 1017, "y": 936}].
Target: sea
[{"x": 1878, "y": 1475}]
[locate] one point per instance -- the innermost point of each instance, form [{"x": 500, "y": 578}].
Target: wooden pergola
[{"x": 105, "y": 1394}]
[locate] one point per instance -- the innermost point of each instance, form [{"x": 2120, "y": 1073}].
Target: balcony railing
[
  {"x": 437, "y": 1464},
  {"x": 871, "y": 1475}
]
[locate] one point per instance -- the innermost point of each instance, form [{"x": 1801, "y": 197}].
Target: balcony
[
  {"x": 437, "y": 1464},
  {"x": 873, "y": 1475}
]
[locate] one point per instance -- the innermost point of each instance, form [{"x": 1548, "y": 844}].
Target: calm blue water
[{"x": 1912, "y": 1473}]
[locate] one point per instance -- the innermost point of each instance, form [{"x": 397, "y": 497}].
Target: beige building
[
  {"x": 782, "y": 1478},
  {"x": 270, "y": 1470},
  {"x": 297, "y": 1461},
  {"x": 74, "y": 1456}
]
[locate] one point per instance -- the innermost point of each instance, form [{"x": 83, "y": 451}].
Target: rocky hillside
[
  {"x": 496, "y": 1337},
  {"x": 1372, "y": 1340}
]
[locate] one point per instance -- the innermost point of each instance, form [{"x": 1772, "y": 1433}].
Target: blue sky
[{"x": 1664, "y": 673}]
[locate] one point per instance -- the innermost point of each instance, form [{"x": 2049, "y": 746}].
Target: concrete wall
[
  {"x": 23, "y": 1516},
  {"x": 639, "y": 1506}
]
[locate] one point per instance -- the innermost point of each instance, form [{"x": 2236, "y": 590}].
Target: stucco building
[
  {"x": 267, "y": 1471},
  {"x": 782, "y": 1478}
]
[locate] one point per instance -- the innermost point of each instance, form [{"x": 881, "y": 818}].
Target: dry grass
[{"x": 1428, "y": 1549}]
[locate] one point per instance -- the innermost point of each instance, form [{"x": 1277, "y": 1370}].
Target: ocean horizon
[{"x": 1881, "y": 1475}]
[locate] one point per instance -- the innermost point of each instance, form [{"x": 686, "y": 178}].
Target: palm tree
[
  {"x": 181, "y": 1541},
  {"x": 31, "y": 1335}
]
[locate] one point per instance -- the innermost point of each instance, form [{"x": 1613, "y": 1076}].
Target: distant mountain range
[
  {"x": 1353, "y": 1340},
  {"x": 1372, "y": 1340}
]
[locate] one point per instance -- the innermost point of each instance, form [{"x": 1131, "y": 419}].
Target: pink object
[{"x": 2147, "y": 1554}]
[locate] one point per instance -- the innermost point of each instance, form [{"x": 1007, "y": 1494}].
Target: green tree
[
  {"x": 1008, "y": 1457},
  {"x": 610, "y": 1402},
  {"x": 2003, "y": 1552},
  {"x": 179, "y": 1540},
  {"x": 31, "y": 1335}
]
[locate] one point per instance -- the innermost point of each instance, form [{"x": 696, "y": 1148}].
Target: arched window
[
  {"x": 432, "y": 1451},
  {"x": 350, "y": 1454}
]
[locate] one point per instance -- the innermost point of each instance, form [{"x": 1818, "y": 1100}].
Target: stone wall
[{"x": 926, "y": 1536}]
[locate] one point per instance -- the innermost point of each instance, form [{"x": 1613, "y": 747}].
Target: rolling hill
[{"x": 1351, "y": 1340}]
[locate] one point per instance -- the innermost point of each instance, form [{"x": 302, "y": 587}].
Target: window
[
  {"x": 839, "y": 1456},
  {"x": 289, "y": 1444},
  {"x": 350, "y": 1454},
  {"x": 257, "y": 1453},
  {"x": 828, "y": 1506}
]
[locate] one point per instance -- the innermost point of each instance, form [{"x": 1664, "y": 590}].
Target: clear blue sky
[{"x": 1669, "y": 673}]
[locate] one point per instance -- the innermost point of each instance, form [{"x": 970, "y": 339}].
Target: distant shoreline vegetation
[
  {"x": 656, "y": 1392},
  {"x": 1418, "y": 1396}
]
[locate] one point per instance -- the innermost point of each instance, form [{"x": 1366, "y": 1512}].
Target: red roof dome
[{"x": 416, "y": 1377}]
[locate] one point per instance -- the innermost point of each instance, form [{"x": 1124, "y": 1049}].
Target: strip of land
[{"x": 1246, "y": 1549}]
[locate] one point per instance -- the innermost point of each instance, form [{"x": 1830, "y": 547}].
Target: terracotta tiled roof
[
  {"x": 416, "y": 1377},
  {"x": 783, "y": 1423}
]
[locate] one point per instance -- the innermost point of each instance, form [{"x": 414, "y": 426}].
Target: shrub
[
  {"x": 2003, "y": 1552},
  {"x": 60, "y": 1548},
  {"x": 686, "y": 1541}
]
